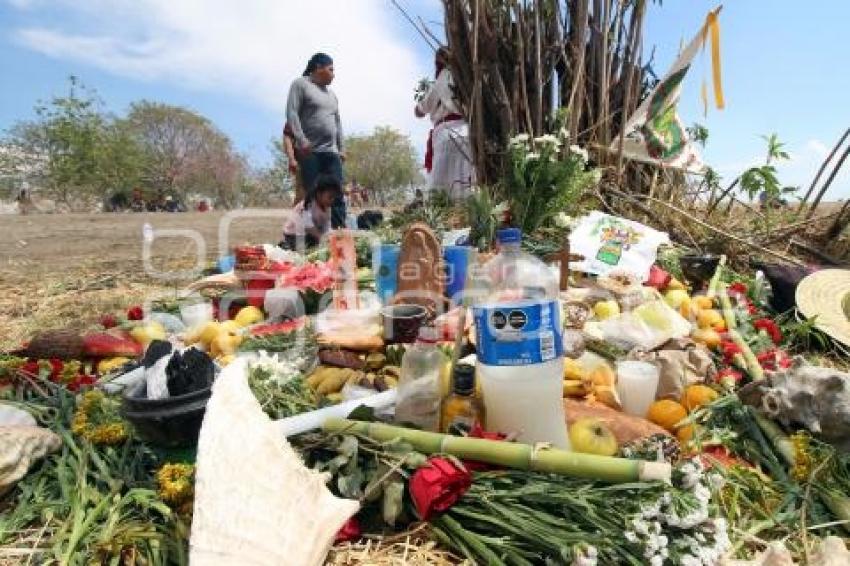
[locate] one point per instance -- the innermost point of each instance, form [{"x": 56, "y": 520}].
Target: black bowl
[
  {"x": 174, "y": 422},
  {"x": 699, "y": 268}
]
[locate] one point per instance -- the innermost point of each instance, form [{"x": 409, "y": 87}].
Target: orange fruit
[
  {"x": 708, "y": 318},
  {"x": 696, "y": 396},
  {"x": 708, "y": 336},
  {"x": 703, "y": 302},
  {"x": 666, "y": 413}
]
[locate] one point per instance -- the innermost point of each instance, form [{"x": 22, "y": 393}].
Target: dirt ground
[{"x": 66, "y": 270}]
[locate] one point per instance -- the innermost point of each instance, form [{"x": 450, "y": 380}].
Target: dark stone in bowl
[
  {"x": 402, "y": 322},
  {"x": 699, "y": 268}
]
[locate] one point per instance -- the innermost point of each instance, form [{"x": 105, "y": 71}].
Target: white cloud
[
  {"x": 817, "y": 147},
  {"x": 252, "y": 49}
]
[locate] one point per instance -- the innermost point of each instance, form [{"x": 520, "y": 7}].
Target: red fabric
[
  {"x": 429, "y": 146},
  {"x": 437, "y": 485}
]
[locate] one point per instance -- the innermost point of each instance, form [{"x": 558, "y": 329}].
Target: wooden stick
[
  {"x": 821, "y": 170},
  {"x": 828, "y": 182}
]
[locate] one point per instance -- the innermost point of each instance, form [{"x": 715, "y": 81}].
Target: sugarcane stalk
[
  {"x": 753, "y": 366},
  {"x": 510, "y": 454},
  {"x": 726, "y": 306},
  {"x": 715, "y": 279},
  {"x": 837, "y": 504}
]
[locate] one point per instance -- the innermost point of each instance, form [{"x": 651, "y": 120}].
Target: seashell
[
  {"x": 20, "y": 446},
  {"x": 13, "y": 416},
  {"x": 255, "y": 500}
]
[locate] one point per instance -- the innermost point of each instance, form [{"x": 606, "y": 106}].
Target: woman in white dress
[{"x": 448, "y": 157}]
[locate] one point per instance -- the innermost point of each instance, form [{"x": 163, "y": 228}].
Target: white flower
[
  {"x": 586, "y": 556},
  {"x": 640, "y": 526},
  {"x": 656, "y": 560},
  {"x": 532, "y": 156},
  {"x": 548, "y": 139},
  {"x": 596, "y": 176},
  {"x": 564, "y": 220},
  {"x": 564, "y": 133},
  {"x": 716, "y": 481},
  {"x": 581, "y": 152},
  {"x": 688, "y": 560},
  {"x": 630, "y": 536},
  {"x": 519, "y": 140}
]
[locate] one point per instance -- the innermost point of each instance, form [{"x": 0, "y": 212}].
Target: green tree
[
  {"x": 384, "y": 161},
  {"x": 185, "y": 153},
  {"x": 74, "y": 151}
]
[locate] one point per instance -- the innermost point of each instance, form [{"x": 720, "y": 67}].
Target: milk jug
[{"x": 520, "y": 345}]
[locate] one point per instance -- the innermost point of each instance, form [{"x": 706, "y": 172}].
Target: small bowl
[
  {"x": 699, "y": 268},
  {"x": 402, "y": 322}
]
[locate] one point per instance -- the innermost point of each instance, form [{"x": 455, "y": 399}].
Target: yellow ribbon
[{"x": 712, "y": 26}]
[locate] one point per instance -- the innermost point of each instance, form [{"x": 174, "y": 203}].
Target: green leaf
[
  {"x": 392, "y": 503},
  {"x": 350, "y": 485},
  {"x": 363, "y": 413}
]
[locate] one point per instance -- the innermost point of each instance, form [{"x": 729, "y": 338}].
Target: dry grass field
[{"x": 59, "y": 270}]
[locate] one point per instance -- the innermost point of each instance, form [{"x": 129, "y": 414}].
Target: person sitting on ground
[{"x": 311, "y": 218}]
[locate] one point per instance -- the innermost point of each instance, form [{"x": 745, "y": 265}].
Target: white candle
[{"x": 636, "y": 385}]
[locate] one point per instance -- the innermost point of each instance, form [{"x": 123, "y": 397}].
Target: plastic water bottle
[
  {"x": 520, "y": 346},
  {"x": 419, "y": 389},
  {"x": 147, "y": 233}
]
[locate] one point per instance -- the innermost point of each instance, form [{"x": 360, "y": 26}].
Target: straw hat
[{"x": 825, "y": 294}]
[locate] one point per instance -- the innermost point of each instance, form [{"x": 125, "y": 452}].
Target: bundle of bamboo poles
[{"x": 516, "y": 63}]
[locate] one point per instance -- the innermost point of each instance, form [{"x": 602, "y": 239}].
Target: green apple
[
  {"x": 591, "y": 436},
  {"x": 606, "y": 309}
]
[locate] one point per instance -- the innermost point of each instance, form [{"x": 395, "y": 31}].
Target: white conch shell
[
  {"x": 20, "y": 446},
  {"x": 256, "y": 503}
]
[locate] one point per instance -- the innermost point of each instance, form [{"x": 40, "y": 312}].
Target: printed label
[{"x": 518, "y": 335}]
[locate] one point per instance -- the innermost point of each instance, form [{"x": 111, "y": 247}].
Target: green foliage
[
  {"x": 75, "y": 151},
  {"x": 762, "y": 179},
  {"x": 543, "y": 179},
  {"x": 483, "y": 215},
  {"x": 383, "y": 161},
  {"x": 698, "y": 133}
]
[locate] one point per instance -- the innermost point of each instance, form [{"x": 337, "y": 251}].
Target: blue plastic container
[
  {"x": 385, "y": 267},
  {"x": 457, "y": 263}
]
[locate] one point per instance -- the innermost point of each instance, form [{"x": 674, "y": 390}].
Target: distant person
[
  {"x": 289, "y": 143},
  {"x": 311, "y": 217},
  {"x": 447, "y": 155},
  {"x": 24, "y": 201},
  {"x": 312, "y": 112}
]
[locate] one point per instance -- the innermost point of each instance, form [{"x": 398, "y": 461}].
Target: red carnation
[
  {"x": 738, "y": 288},
  {"x": 135, "y": 313},
  {"x": 108, "y": 321},
  {"x": 730, "y": 350},
  {"x": 437, "y": 485},
  {"x": 770, "y": 328},
  {"x": 774, "y": 359},
  {"x": 30, "y": 367},
  {"x": 56, "y": 367},
  {"x": 81, "y": 381},
  {"x": 729, "y": 378}
]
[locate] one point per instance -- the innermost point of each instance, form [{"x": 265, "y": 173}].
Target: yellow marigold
[
  {"x": 109, "y": 434},
  {"x": 80, "y": 424},
  {"x": 802, "y": 457},
  {"x": 176, "y": 483},
  {"x": 70, "y": 370}
]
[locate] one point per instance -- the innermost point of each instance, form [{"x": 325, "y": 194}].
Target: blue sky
[{"x": 785, "y": 67}]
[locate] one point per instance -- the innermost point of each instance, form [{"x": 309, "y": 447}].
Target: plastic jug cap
[{"x": 509, "y": 236}]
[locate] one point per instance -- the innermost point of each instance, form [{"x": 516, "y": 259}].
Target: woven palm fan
[
  {"x": 825, "y": 296},
  {"x": 256, "y": 503}
]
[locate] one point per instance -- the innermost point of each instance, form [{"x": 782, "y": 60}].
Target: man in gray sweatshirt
[{"x": 312, "y": 113}]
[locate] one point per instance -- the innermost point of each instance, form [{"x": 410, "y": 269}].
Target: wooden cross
[{"x": 564, "y": 257}]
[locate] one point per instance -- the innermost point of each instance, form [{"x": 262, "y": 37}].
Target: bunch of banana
[{"x": 574, "y": 379}]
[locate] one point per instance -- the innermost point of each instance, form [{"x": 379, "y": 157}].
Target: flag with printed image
[{"x": 655, "y": 133}]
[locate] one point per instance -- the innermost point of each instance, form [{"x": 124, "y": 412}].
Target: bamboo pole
[
  {"x": 822, "y": 168},
  {"x": 828, "y": 182},
  {"x": 509, "y": 454}
]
